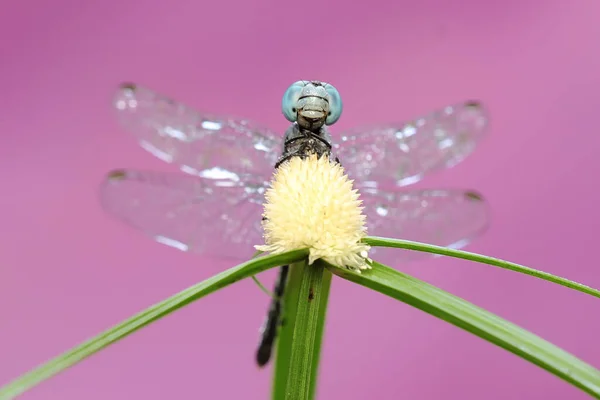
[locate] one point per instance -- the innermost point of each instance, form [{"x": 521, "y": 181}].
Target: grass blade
[
  {"x": 465, "y": 255},
  {"x": 479, "y": 322},
  {"x": 151, "y": 314}
]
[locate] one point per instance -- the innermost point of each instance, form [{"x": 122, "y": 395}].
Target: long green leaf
[
  {"x": 479, "y": 322},
  {"x": 146, "y": 317},
  {"x": 465, "y": 255}
]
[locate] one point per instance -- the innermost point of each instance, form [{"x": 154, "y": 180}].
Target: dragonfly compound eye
[
  {"x": 335, "y": 105},
  {"x": 290, "y": 100}
]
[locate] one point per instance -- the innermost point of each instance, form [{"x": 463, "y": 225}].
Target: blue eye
[
  {"x": 290, "y": 100},
  {"x": 335, "y": 105}
]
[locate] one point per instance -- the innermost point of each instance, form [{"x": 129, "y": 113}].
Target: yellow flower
[{"x": 311, "y": 204}]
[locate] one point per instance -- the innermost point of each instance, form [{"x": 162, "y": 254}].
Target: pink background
[{"x": 68, "y": 271}]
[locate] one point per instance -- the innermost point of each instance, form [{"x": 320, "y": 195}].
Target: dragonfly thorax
[{"x": 301, "y": 142}]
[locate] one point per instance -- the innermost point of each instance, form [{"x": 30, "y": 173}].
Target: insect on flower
[{"x": 215, "y": 206}]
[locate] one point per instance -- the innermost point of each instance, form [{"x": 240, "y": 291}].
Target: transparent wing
[
  {"x": 220, "y": 217},
  {"x": 402, "y": 154},
  {"x": 201, "y": 144},
  {"x": 451, "y": 218}
]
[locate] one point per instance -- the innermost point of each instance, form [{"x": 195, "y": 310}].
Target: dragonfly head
[{"x": 312, "y": 104}]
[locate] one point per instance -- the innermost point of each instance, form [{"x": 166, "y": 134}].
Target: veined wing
[
  {"x": 450, "y": 218},
  {"x": 402, "y": 154},
  {"x": 221, "y": 217},
  {"x": 204, "y": 145}
]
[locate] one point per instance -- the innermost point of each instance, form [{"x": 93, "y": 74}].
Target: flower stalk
[{"x": 299, "y": 344}]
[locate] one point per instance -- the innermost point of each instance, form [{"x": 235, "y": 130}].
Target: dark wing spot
[
  {"x": 117, "y": 175},
  {"x": 128, "y": 86},
  {"x": 473, "y": 196},
  {"x": 472, "y": 104}
]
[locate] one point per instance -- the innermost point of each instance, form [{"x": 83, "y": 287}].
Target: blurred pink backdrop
[{"x": 68, "y": 271}]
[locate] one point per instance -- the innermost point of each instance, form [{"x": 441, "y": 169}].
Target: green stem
[
  {"x": 286, "y": 333},
  {"x": 326, "y": 285},
  {"x": 465, "y": 255},
  {"x": 300, "y": 338}
]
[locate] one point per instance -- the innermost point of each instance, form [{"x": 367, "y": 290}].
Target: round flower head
[{"x": 311, "y": 204}]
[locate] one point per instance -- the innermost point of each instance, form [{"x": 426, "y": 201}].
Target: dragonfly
[{"x": 214, "y": 204}]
